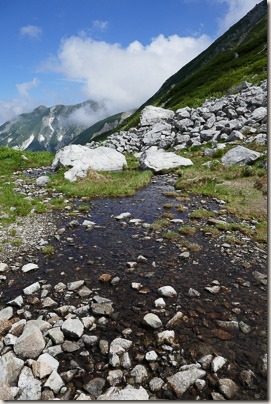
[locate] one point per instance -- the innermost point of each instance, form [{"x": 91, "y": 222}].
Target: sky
[{"x": 116, "y": 52}]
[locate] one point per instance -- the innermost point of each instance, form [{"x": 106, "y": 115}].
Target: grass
[
  {"x": 171, "y": 235},
  {"x": 244, "y": 189},
  {"x": 188, "y": 230},
  {"x": 160, "y": 224},
  {"x": 48, "y": 250},
  {"x": 13, "y": 204},
  {"x": 201, "y": 214},
  {"x": 106, "y": 184}
]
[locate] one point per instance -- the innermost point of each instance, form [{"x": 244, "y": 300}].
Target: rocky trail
[{"x": 120, "y": 312}]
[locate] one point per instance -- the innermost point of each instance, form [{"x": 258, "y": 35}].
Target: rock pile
[
  {"x": 32, "y": 351},
  {"x": 241, "y": 115}
]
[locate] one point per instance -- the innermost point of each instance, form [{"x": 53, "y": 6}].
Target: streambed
[{"x": 112, "y": 244}]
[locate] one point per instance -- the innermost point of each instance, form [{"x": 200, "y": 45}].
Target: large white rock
[
  {"x": 29, "y": 387},
  {"x": 181, "y": 381},
  {"x": 128, "y": 393},
  {"x": 10, "y": 368},
  {"x": 158, "y": 160},
  {"x": 30, "y": 344},
  {"x": 154, "y": 134},
  {"x": 151, "y": 115},
  {"x": 82, "y": 159},
  {"x": 73, "y": 328},
  {"x": 239, "y": 155}
]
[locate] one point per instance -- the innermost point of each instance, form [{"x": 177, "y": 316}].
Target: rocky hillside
[
  {"x": 239, "y": 54},
  {"x": 101, "y": 128},
  {"x": 237, "y": 117},
  {"x": 49, "y": 128}
]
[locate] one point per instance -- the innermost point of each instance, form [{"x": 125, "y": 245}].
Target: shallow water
[{"x": 108, "y": 248}]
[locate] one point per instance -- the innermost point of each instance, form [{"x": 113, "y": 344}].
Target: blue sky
[{"x": 118, "y": 52}]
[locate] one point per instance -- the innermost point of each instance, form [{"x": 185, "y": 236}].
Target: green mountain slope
[
  {"x": 101, "y": 129},
  {"x": 239, "y": 54},
  {"x": 48, "y": 128}
]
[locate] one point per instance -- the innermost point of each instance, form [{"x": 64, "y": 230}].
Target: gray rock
[
  {"x": 29, "y": 387},
  {"x": 228, "y": 388},
  {"x": 42, "y": 181},
  {"x": 158, "y": 160},
  {"x": 181, "y": 381},
  {"x": 102, "y": 308},
  {"x": 114, "y": 377},
  {"x": 193, "y": 293},
  {"x": 75, "y": 285},
  {"x": 151, "y": 115},
  {"x": 263, "y": 365},
  {"x": 128, "y": 393},
  {"x": 82, "y": 159},
  {"x": 6, "y": 313},
  {"x": 8, "y": 393},
  {"x": 156, "y": 384},
  {"x": 175, "y": 320},
  {"x": 151, "y": 356},
  {"x": 95, "y": 386},
  {"x": 10, "y": 368},
  {"x": 73, "y": 328},
  {"x": 30, "y": 344},
  {"x": 48, "y": 303},
  {"x": 258, "y": 114},
  {"x": 34, "y": 287},
  {"x": 239, "y": 155},
  {"x": 167, "y": 291},
  {"x": 166, "y": 337},
  {"x": 54, "y": 382},
  {"x": 3, "y": 267},
  {"x": 217, "y": 363},
  {"x": 139, "y": 373},
  {"x": 152, "y": 320}
]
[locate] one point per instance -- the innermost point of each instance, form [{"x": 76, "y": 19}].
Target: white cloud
[
  {"x": 24, "y": 88},
  {"x": 31, "y": 31},
  {"x": 85, "y": 116},
  {"x": 237, "y": 9},
  {"x": 9, "y": 109},
  {"x": 124, "y": 78},
  {"x": 100, "y": 25}
]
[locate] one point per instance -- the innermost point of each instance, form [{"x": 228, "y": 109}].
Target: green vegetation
[
  {"x": 171, "y": 235},
  {"x": 188, "y": 230},
  {"x": 104, "y": 184},
  {"x": 201, "y": 214},
  {"x": 160, "y": 224},
  {"x": 244, "y": 190},
  {"x": 48, "y": 250},
  {"x": 13, "y": 204},
  {"x": 240, "y": 54}
]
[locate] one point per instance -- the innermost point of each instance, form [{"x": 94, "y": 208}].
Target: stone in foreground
[
  {"x": 82, "y": 159},
  {"x": 239, "y": 155},
  {"x": 181, "y": 381},
  {"x": 158, "y": 160},
  {"x": 128, "y": 393}
]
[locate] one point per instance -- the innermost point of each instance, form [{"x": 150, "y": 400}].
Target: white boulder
[
  {"x": 82, "y": 159},
  {"x": 239, "y": 155},
  {"x": 151, "y": 115},
  {"x": 158, "y": 160}
]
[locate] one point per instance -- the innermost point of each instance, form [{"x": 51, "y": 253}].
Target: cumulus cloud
[
  {"x": 31, "y": 31},
  {"x": 100, "y": 25},
  {"x": 86, "y": 116},
  {"x": 9, "y": 109},
  {"x": 24, "y": 88},
  {"x": 124, "y": 78},
  {"x": 237, "y": 9}
]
